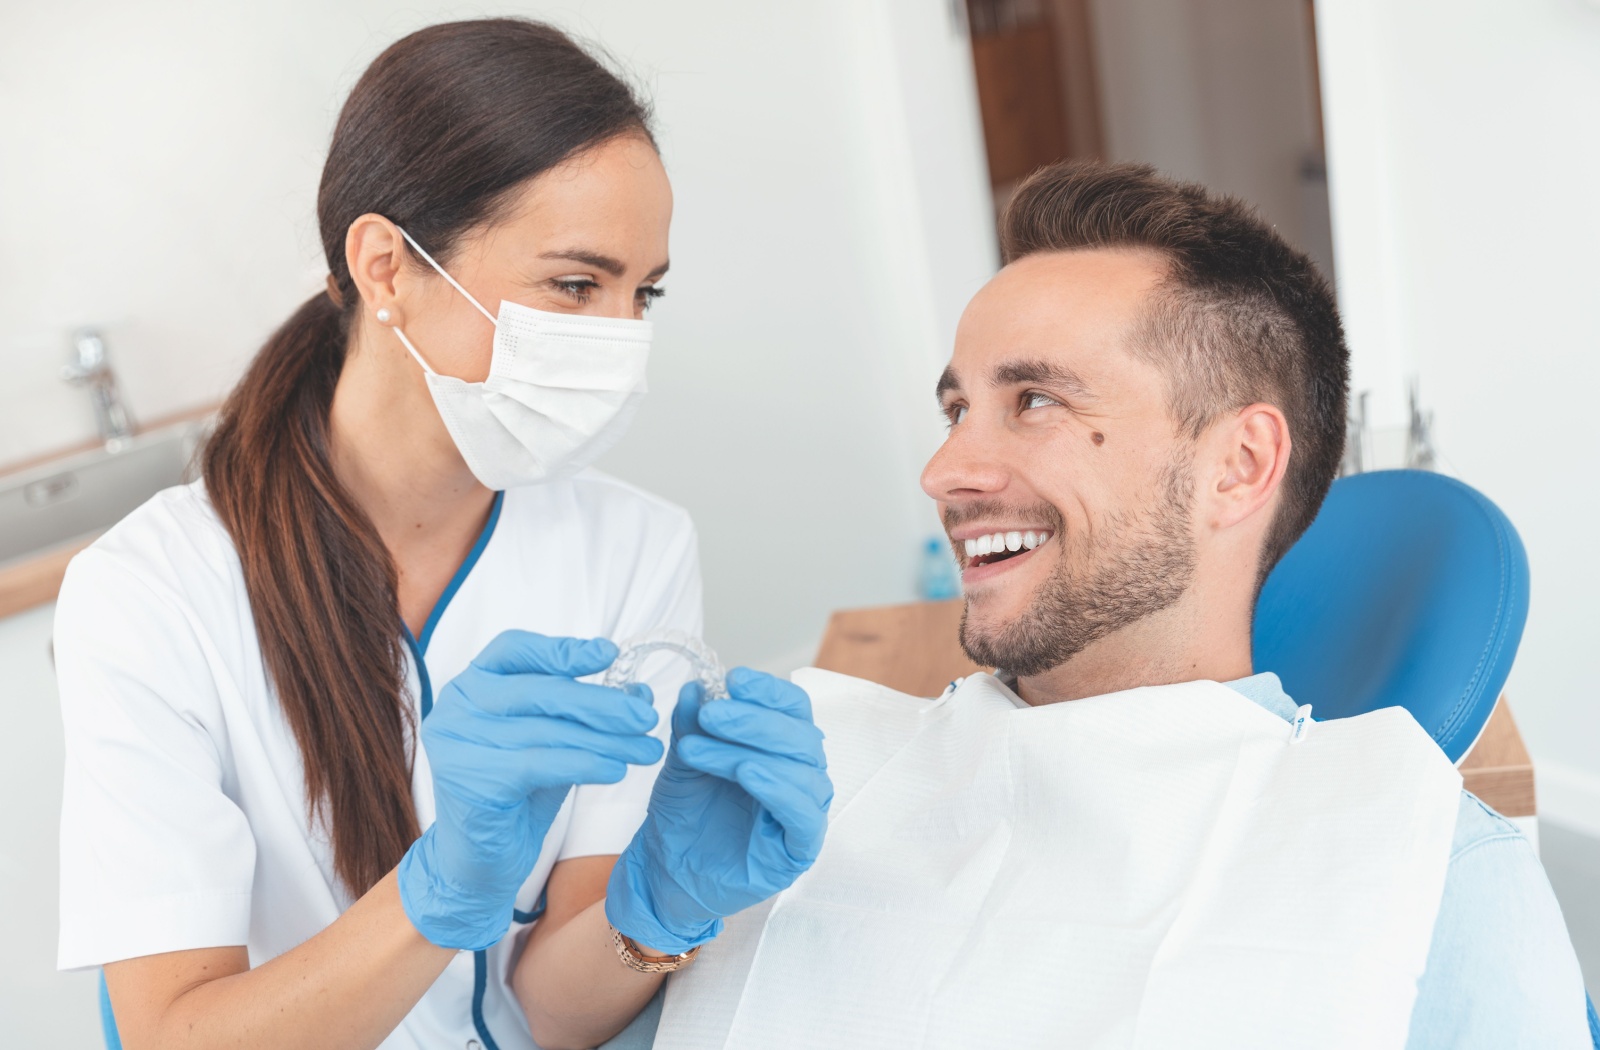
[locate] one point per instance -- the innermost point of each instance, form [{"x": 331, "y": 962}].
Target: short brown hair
[{"x": 1242, "y": 317}]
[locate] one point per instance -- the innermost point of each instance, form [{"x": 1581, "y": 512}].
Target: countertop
[{"x": 35, "y": 580}]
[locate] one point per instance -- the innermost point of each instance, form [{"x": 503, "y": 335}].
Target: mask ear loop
[
  {"x": 441, "y": 271},
  {"x": 425, "y": 367}
]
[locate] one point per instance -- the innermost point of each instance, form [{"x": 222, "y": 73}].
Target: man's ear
[{"x": 1251, "y": 452}]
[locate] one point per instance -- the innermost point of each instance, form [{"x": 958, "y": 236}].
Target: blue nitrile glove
[
  {"x": 506, "y": 740},
  {"x": 737, "y": 814}
]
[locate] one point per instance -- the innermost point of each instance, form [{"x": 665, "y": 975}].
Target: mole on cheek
[{"x": 1099, "y": 438}]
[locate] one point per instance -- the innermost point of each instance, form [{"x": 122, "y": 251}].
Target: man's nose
[{"x": 966, "y": 465}]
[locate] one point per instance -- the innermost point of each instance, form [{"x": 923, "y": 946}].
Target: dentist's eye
[
  {"x": 648, "y": 296},
  {"x": 578, "y": 289}
]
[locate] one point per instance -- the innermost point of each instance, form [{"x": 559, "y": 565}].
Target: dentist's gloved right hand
[
  {"x": 737, "y": 814},
  {"x": 506, "y": 740}
]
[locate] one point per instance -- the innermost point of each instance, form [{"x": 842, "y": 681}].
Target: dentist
[{"x": 332, "y": 777}]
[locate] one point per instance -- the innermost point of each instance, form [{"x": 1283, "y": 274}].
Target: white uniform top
[{"x": 184, "y": 818}]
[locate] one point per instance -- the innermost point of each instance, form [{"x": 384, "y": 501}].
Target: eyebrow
[
  {"x": 1015, "y": 373},
  {"x": 1045, "y": 373},
  {"x": 603, "y": 263}
]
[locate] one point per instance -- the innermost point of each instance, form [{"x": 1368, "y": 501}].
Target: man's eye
[
  {"x": 955, "y": 414},
  {"x": 1034, "y": 399}
]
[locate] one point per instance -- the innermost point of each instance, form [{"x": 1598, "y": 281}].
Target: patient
[{"x": 1146, "y": 408}]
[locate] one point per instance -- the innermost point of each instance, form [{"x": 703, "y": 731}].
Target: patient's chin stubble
[{"x": 1138, "y": 564}]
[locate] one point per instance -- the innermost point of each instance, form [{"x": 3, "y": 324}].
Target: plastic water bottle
[{"x": 937, "y": 578}]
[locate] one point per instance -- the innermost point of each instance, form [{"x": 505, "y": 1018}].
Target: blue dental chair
[{"x": 1410, "y": 589}]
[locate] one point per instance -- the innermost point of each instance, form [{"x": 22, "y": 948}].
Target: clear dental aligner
[{"x": 707, "y": 669}]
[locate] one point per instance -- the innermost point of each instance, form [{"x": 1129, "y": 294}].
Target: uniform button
[{"x": 473, "y": 1044}]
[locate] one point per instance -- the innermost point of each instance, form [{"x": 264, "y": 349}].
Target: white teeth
[{"x": 1000, "y": 542}]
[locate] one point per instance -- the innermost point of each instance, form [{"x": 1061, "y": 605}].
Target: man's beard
[{"x": 1138, "y": 564}]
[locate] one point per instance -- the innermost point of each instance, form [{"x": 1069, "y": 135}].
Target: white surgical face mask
[{"x": 561, "y": 390}]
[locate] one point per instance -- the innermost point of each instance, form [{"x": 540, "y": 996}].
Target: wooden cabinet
[{"x": 1037, "y": 89}]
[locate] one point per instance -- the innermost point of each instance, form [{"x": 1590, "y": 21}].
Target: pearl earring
[{"x": 383, "y": 315}]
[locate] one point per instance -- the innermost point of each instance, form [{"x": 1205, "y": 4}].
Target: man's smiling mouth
[{"x": 991, "y": 548}]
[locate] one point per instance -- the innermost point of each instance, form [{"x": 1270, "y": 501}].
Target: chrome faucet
[{"x": 90, "y": 368}]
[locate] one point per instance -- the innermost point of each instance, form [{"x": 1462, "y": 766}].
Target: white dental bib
[{"x": 1157, "y": 868}]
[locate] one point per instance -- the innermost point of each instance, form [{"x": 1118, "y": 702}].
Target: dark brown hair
[
  {"x": 437, "y": 136},
  {"x": 1242, "y": 317}
]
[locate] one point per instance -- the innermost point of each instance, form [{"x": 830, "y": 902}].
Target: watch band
[{"x": 634, "y": 959}]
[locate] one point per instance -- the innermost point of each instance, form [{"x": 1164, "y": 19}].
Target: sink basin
[{"x": 53, "y": 503}]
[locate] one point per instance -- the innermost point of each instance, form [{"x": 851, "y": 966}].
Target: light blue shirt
[{"x": 1501, "y": 971}]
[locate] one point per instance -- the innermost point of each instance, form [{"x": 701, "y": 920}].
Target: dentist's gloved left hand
[{"x": 738, "y": 813}]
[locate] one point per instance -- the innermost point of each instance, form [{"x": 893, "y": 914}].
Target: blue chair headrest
[{"x": 1410, "y": 589}]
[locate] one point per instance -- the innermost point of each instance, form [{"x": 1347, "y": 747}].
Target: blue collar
[
  {"x": 1265, "y": 689},
  {"x": 419, "y": 646}
]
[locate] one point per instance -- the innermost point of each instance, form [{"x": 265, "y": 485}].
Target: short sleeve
[
  {"x": 155, "y": 855},
  {"x": 1501, "y": 970},
  {"x": 605, "y": 816}
]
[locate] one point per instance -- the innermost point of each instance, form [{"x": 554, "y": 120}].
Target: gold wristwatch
[{"x": 634, "y": 959}]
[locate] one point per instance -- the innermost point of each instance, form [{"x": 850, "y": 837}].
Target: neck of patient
[{"x": 1200, "y": 638}]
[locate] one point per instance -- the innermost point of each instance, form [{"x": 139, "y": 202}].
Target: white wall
[
  {"x": 1463, "y": 143},
  {"x": 1219, "y": 91},
  {"x": 158, "y": 165}
]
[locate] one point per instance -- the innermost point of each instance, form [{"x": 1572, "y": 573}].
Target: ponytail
[{"x": 322, "y": 588}]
